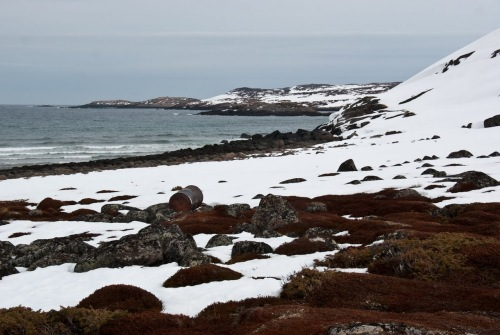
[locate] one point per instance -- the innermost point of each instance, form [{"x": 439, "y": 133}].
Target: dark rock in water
[
  {"x": 219, "y": 240},
  {"x": 250, "y": 247},
  {"x": 407, "y": 192},
  {"x": 273, "y": 212},
  {"x": 460, "y": 154},
  {"x": 293, "y": 181},
  {"x": 237, "y": 210},
  {"x": 245, "y": 135},
  {"x": 399, "y": 177},
  {"x": 151, "y": 246},
  {"x": 56, "y": 251},
  {"x": 315, "y": 207},
  {"x": 380, "y": 328},
  {"x": 366, "y": 168},
  {"x": 347, "y": 166},
  {"x": 492, "y": 121},
  {"x": 371, "y": 178},
  {"x": 472, "y": 180},
  {"x": 6, "y": 265}
]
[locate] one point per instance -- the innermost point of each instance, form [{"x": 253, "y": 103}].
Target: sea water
[{"x": 45, "y": 135}]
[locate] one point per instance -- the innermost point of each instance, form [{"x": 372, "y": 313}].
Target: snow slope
[{"x": 466, "y": 93}]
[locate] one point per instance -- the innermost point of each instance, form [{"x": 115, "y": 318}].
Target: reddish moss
[
  {"x": 146, "y": 323},
  {"x": 123, "y": 197},
  {"x": 246, "y": 257},
  {"x": 302, "y": 246},
  {"x": 122, "y": 297},
  {"x": 201, "y": 274},
  {"x": 89, "y": 201},
  {"x": 19, "y": 234}
]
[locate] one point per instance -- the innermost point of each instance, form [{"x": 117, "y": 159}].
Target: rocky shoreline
[{"x": 239, "y": 149}]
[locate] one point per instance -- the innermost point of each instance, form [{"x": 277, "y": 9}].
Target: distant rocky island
[{"x": 308, "y": 100}]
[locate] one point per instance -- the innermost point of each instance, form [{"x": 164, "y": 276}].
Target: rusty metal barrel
[{"x": 186, "y": 199}]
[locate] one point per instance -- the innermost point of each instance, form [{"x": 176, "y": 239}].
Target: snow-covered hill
[
  {"x": 462, "y": 89},
  {"x": 320, "y": 96}
]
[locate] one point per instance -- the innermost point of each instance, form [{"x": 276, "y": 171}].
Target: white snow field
[{"x": 467, "y": 92}]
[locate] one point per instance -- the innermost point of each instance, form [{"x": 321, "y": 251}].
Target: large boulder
[
  {"x": 6, "y": 252},
  {"x": 151, "y": 246},
  {"x": 237, "y": 210},
  {"x": 56, "y": 251},
  {"x": 273, "y": 212},
  {"x": 159, "y": 213},
  {"x": 472, "y": 180},
  {"x": 493, "y": 121},
  {"x": 347, "y": 166},
  {"x": 460, "y": 154}
]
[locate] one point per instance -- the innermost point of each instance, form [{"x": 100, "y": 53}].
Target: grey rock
[
  {"x": 237, "y": 210},
  {"x": 366, "y": 168},
  {"x": 56, "y": 251},
  {"x": 267, "y": 234},
  {"x": 293, "y": 181},
  {"x": 435, "y": 173},
  {"x": 472, "y": 180},
  {"x": 371, "y": 178},
  {"x": 219, "y": 240},
  {"x": 98, "y": 217},
  {"x": 347, "y": 166},
  {"x": 250, "y": 247},
  {"x": 6, "y": 264},
  {"x": 133, "y": 215},
  {"x": 492, "y": 121},
  {"x": 460, "y": 154},
  {"x": 151, "y": 246},
  {"x": 354, "y": 182},
  {"x": 114, "y": 208},
  {"x": 315, "y": 207},
  {"x": 380, "y": 328},
  {"x": 246, "y": 227},
  {"x": 323, "y": 235},
  {"x": 399, "y": 177},
  {"x": 274, "y": 212},
  {"x": 494, "y": 154},
  {"x": 35, "y": 212},
  {"x": 407, "y": 192}
]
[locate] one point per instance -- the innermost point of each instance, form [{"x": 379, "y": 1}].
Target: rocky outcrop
[
  {"x": 56, "y": 251},
  {"x": 273, "y": 212},
  {"x": 151, "y": 246},
  {"x": 380, "y": 328},
  {"x": 471, "y": 180},
  {"x": 6, "y": 254},
  {"x": 219, "y": 240},
  {"x": 237, "y": 149}
]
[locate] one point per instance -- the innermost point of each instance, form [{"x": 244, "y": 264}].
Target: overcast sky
[{"x": 76, "y": 51}]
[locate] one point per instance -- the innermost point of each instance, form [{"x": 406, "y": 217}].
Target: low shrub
[
  {"x": 201, "y": 274},
  {"x": 67, "y": 321},
  {"x": 246, "y": 257},
  {"x": 303, "y": 246},
  {"x": 122, "y": 297},
  {"x": 441, "y": 256},
  {"x": 352, "y": 257},
  {"x": 82, "y": 320},
  {"x": 144, "y": 324},
  {"x": 301, "y": 283}
]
